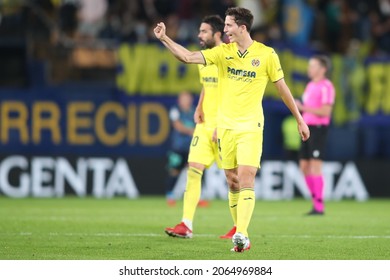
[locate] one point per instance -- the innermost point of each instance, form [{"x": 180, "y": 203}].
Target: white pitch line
[
  {"x": 334, "y": 236},
  {"x": 121, "y": 234}
]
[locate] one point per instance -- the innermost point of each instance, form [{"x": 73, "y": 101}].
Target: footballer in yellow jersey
[{"x": 244, "y": 68}]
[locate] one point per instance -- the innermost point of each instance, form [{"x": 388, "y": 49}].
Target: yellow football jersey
[
  {"x": 243, "y": 78},
  {"x": 209, "y": 79}
]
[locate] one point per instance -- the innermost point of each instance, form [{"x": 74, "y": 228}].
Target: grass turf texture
[{"x": 121, "y": 229}]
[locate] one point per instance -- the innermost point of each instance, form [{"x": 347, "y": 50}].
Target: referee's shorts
[{"x": 314, "y": 147}]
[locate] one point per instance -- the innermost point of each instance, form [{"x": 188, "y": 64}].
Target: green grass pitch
[{"x": 120, "y": 229}]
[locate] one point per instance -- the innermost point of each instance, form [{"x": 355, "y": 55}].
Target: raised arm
[
  {"x": 288, "y": 99},
  {"x": 180, "y": 52}
]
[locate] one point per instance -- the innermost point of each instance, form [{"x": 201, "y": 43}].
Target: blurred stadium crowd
[{"x": 331, "y": 25}]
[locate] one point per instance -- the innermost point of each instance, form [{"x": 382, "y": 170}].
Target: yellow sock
[
  {"x": 192, "y": 193},
  {"x": 245, "y": 207},
  {"x": 233, "y": 200}
]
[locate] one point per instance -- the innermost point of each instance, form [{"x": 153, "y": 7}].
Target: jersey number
[{"x": 195, "y": 141}]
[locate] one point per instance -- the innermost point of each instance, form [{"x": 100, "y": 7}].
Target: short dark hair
[
  {"x": 216, "y": 22},
  {"x": 241, "y": 16},
  {"x": 324, "y": 61}
]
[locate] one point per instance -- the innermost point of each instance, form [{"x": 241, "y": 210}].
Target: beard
[{"x": 208, "y": 44}]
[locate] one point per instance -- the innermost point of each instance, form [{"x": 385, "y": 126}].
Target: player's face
[
  {"x": 206, "y": 38},
  {"x": 232, "y": 30},
  {"x": 315, "y": 69}
]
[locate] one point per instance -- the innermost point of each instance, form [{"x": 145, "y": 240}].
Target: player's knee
[
  {"x": 232, "y": 180},
  {"x": 247, "y": 179},
  {"x": 234, "y": 185},
  {"x": 247, "y": 182}
]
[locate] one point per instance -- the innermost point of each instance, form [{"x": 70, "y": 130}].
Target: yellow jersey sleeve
[
  {"x": 212, "y": 56},
  {"x": 274, "y": 69}
]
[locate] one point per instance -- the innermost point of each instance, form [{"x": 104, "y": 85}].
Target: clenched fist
[{"x": 159, "y": 30}]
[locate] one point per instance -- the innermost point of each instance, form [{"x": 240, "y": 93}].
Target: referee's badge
[{"x": 255, "y": 62}]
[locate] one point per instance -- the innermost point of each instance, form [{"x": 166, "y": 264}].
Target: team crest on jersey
[{"x": 255, "y": 62}]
